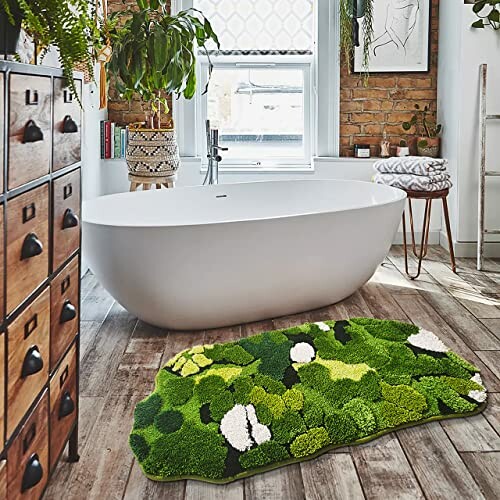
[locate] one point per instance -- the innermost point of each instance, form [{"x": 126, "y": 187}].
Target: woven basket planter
[{"x": 152, "y": 153}]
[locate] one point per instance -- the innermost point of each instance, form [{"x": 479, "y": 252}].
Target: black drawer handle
[
  {"x": 33, "y": 362},
  {"x": 29, "y": 212},
  {"x": 32, "y": 132},
  {"x": 67, "y": 405},
  {"x": 32, "y": 247},
  {"x": 68, "y": 312},
  {"x": 69, "y": 125},
  {"x": 67, "y": 191},
  {"x": 32, "y": 98},
  {"x": 68, "y": 96},
  {"x": 33, "y": 473},
  {"x": 70, "y": 219},
  {"x": 30, "y": 326}
]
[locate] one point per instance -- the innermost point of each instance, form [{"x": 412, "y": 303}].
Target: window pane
[
  {"x": 259, "y": 112},
  {"x": 261, "y": 24}
]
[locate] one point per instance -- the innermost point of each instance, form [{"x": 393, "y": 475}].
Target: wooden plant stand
[
  {"x": 136, "y": 181},
  {"x": 428, "y": 196}
]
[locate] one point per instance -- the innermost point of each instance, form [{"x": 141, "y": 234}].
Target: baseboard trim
[
  {"x": 434, "y": 237},
  {"x": 468, "y": 249}
]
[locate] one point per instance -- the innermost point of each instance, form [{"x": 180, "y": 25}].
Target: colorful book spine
[
  {"x": 118, "y": 142},
  {"x": 107, "y": 140},
  {"x": 113, "y": 126},
  {"x": 103, "y": 141},
  {"x": 123, "y": 142}
]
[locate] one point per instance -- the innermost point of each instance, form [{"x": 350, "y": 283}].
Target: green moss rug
[{"x": 226, "y": 411}]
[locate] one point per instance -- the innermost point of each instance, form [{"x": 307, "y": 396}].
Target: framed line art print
[{"x": 400, "y": 39}]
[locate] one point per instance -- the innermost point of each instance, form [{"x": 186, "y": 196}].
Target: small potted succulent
[
  {"x": 154, "y": 55},
  {"x": 403, "y": 149},
  {"x": 428, "y": 130}
]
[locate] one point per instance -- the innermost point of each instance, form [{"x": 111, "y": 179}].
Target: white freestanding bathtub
[{"x": 204, "y": 257}]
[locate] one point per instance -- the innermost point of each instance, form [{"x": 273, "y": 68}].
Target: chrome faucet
[{"x": 213, "y": 155}]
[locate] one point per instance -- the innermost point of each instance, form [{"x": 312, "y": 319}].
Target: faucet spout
[{"x": 214, "y": 158}]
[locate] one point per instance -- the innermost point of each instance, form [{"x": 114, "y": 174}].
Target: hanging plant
[
  {"x": 488, "y": 12},
  {"x": 350, "y": 28}
]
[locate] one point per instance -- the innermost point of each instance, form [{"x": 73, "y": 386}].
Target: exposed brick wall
[
  {"x": 365, "y": 112},
  {"x": 387, "y": 101}
]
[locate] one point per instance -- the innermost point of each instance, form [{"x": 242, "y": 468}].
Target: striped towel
[
  {"x": 416, "y": 165},
  {"x": 415, "y": 182}
]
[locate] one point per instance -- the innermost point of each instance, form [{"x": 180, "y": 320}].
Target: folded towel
[
  {"x": 414, "y": 182},
  {"x": 416, "y": 165}
]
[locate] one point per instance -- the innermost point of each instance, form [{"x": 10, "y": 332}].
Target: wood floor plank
[
  {"x": 423, "y": 315},
  {"x": 384, "y": 470},
  {"x": 440, "y": 470},
  {"x": 381, "y": 303},
  {"x": 104, "y": 355},
  {"x": 493, "y": 326},
  {"x": 139, "y": 487},
  {"x": 485, "y": 468},
  {"x": 472, "y": 434},
  {"x": 96, "y": 305},
  {"x": 492, "y": 412},
  {"x": 388, "y": 276},
  {"x": 88, "y": 333},
  {"x": 356, "y": 306},
  {"x": 280, "y": 484},
  {"x": 331, "y": 476},
  {"x": 492, "y": 360},
  {"x": 196, "y": 490}
]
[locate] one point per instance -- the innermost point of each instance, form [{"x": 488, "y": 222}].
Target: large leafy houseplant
[
  {"x": 66, "y": 24},
  {"x": 488, "y": 12},
  {"x": 154, "y": 54}
]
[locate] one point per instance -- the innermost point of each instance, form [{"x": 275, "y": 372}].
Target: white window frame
[{"x": 321, "y": 82}]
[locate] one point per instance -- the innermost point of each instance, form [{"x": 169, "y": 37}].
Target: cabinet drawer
[
  {"x": 27, "y": 244},
  {"x": 2, "y": 270},
  {"x": 64, "y": 316},
  {"x": 28, "y": 456},
  {"x": 28, "y": 365},
  {"x": 67, "y": 125},
  {"x": 3, "y": 478},
  {"x": 30, "y": 131},
  {"x": 2, "y": 390},
  {"x": 66, "y": 217},
  {"x": 2, "y": 128},
  {"x": 63, "y": 404}
]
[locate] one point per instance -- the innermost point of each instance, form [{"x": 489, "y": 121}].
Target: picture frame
[{"x": 401, "y": 40}]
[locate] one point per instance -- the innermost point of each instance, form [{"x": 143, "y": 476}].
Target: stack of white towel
[{"x": 414, "y": 173}]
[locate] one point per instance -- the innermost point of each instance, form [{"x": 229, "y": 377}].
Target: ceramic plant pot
[
  {"x": 428, "y": 146},
  {"x": 9, "y": 33},
  {"x": 403, "y": 151},
  {"x": 152, "y": 152}
]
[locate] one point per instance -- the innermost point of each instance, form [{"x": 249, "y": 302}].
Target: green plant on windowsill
[
  {"x": 427, "y": 129},
  {"x": 66, "y": 24},
  {"x": 488, "y": 12}
]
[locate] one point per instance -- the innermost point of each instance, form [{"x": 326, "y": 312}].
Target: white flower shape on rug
[
  {"x": 428, "y": 341},
  {"x": 302, "y": 353},
  {"x": 242, "y": 429},
  {"x": 323, "y": 326},
  {"x": 479, "y": 396}
]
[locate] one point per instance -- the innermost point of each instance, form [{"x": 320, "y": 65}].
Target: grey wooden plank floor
[{"x": 453, "y": 459}]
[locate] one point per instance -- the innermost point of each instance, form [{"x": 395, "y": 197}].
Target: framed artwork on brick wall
[{"x": 401, "y": 37}]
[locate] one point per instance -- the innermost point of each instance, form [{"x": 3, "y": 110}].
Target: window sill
[{"x": 285, "y": 169}]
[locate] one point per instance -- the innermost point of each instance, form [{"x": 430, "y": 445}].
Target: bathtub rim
[{"x": 400, "y": 195}]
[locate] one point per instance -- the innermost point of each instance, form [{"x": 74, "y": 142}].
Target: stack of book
[{"x": 113, "y": 140}]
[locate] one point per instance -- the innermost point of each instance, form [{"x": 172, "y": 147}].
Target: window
[
  {"x": 278, "y": 59},
  {"x": 260, "y": 93}
]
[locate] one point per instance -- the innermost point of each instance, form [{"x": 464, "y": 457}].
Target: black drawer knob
[
  {"x": 69, "y": 125},
  {"x": 70, "y": 219},
  {"x": 33, "y": 362},
  {"x": 67, "y": 406},
  {"x": 32, "y": 247},
  {"x": 68, "y": 312},
  {"x": 32, "y": 132},
  {"x": 33, "y": 473}
]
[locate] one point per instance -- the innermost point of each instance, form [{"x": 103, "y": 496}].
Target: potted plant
[
  {"x": 66, "y": 24},
  {"x": 154, "y": 54},
  {"x": 428, "y": 140},
  {"x": 403, "y": 149},
  {"x": 488, "y": 12}
]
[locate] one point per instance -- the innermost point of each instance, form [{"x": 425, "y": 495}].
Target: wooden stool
[
  {"x": 137, "y": 180},
  {"x": 428, "y": 196}
]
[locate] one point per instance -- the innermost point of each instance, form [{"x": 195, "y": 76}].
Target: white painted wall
[{"x": 461, "y": 51}]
